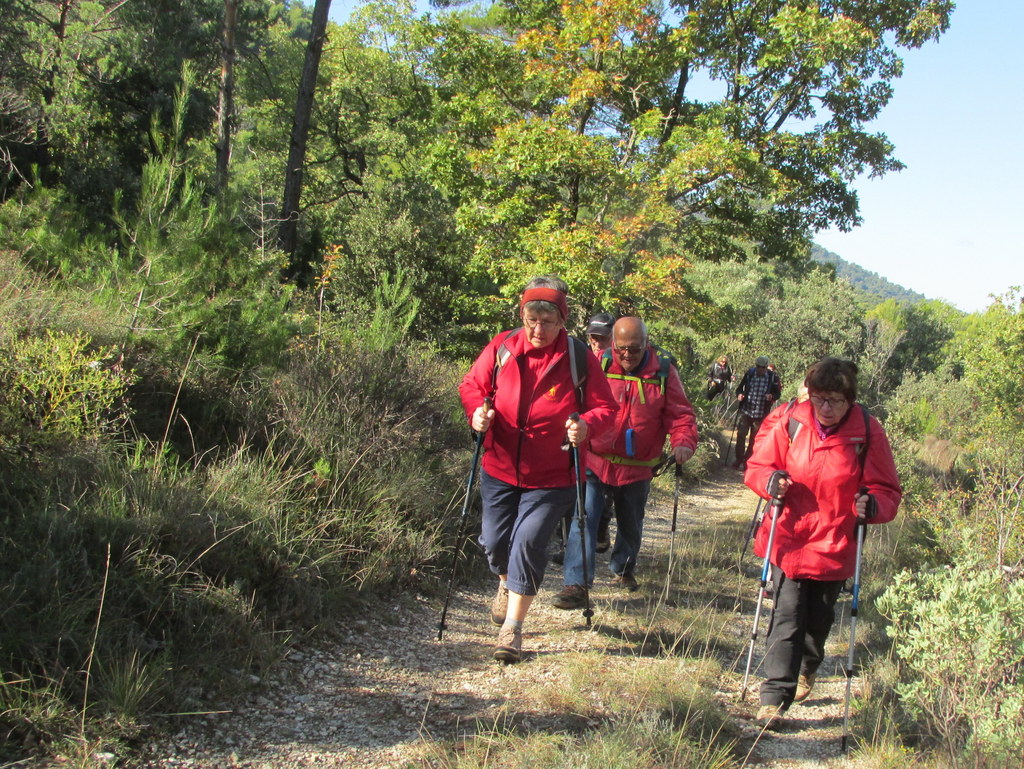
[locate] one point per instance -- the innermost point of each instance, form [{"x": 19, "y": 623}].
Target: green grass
[{"x": 153, "y": 566}]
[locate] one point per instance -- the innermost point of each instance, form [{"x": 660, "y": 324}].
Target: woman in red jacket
[
  {"x": 818, "y": 457},
  {"x": 520, "y": 393}
]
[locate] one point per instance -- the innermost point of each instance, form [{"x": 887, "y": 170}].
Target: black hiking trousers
[{"x": 802, "y": 615}]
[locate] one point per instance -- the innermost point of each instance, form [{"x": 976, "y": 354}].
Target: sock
[{"x": 515, "y": 624}]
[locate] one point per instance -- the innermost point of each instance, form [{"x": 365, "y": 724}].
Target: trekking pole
[
  {"x": 861, "y": 529},
  {"x": 462, "y": 525},
  {"x": 672, "y": 536},
  {"x": 775, "y": 512},
  {"x": 743, "y": 548},
  {"x": 581, "y": 520},
  {"x": 753, "y": 526}
]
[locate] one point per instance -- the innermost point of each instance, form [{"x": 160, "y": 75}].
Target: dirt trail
[
  {"x": 811, "y": 736},
  {"x": 379, "y": 696}
]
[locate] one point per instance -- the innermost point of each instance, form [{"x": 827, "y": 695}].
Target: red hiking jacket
[
  {"x": 815, "y": 537},
  {"x": 523, "y": 445},
  {"x": 659, "y": 414}
]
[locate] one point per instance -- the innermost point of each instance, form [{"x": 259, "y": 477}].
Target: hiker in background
[
  {"x": 779, "y": 412},
  {"x": 520, "y": 392},
  {"x": 757, "y": 391},
  {"x": 652, "y": 404},
  {"x": 830, "y": 448},
  {"x": 719, "y": 377},
  {"x": 599, "y": 332},
  {"x": 599, "y": 337}
]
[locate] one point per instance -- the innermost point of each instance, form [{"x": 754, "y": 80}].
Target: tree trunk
[
  {"x": 288, "y": 233},
  {"x": 226, "y": 106}
]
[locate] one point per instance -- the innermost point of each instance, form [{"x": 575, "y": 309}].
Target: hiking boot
[
  {"x": 509, "y": 648},
  {"x": 570, "y": 597},
  {"x": 499, "y": 606},
  {"x": 626, "y": 581},
  {"x": 804, "y": 684},
  {"x": 770, "y": 716}
]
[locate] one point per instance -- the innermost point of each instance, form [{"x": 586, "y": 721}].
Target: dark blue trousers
[{"x": 516, "y": 526}]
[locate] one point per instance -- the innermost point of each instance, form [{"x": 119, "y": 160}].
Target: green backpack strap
[{"x": 665, "y": 361}]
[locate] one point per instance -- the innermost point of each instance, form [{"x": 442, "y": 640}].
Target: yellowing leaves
[
  {"x": 658, "y": 278},
  {"x": 582, "y": 58}
]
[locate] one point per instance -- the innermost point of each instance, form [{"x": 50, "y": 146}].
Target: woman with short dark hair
[{"x": 831, "y": 463}]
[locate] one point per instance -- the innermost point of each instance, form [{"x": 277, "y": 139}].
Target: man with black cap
[
  {"x": 599, "y": 332},
  {"x": 757, "y": 391}
]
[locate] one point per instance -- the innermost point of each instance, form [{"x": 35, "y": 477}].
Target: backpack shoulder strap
[
  {"x": 501, "y": 358},
  {"x": 863, "y": 451},
  {"x": 578, "y": 353},
  {"x": 665, "y": 361},
  {"x": 793, "y": 427},
  {"x": 577, "y": 364}
]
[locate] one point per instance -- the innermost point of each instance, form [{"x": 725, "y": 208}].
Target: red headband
[{"x": 552, "y": 295}]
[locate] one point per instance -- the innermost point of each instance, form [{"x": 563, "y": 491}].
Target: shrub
[
  {"x": 54, "y": 388},
  {"x": 959, "y": 636}
]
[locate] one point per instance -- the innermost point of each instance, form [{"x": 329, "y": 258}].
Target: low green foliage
[
  {"x": 959, "y": 637},
  {"x": 55, "y": 388},
  {"x": 135, "y": 581}
]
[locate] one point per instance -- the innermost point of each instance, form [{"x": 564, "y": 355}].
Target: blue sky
[{"x": 947, "y": 226}]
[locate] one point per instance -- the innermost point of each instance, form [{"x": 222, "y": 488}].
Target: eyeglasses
[
  {"x": 544, "y": 325},
  {"x": 631, "y": 350},
  {"x": 835, "y": 403}
]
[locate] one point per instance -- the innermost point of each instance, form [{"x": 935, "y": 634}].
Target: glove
[{"x": 773, "y": 483}]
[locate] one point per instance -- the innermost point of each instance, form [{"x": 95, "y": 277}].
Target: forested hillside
[
  {"x": 247, "y": 255},
  {"x": 871, "y": 283}
]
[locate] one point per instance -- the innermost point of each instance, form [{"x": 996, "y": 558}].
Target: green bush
[
  {"x": 959, "y": 637},
  {"x": 54, "y": 388}
]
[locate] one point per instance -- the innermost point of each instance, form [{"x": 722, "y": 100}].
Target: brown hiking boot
[
  {"x": 770, "y": 716},
  {"x": 509, "y": 648},
  {"x": 570, "y": 597},
  {"x": 627, "y": 581},
  {"x": 499, "y": 606},
  {"x": 804, "y": 684}
]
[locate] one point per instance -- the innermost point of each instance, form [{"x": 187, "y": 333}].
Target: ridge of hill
[{"x": 871, "y": 283}]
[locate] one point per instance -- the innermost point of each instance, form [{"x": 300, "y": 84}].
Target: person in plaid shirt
[{"x": 758, "y": 390}]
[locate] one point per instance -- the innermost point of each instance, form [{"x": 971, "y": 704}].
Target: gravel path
[{"x": 380, "y": 695}]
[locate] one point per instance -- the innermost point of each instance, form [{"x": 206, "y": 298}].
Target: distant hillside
[{"x": 870, "y": 283}]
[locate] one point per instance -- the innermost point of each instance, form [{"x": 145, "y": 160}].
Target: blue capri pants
[{"x": 517, "y": 524}]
